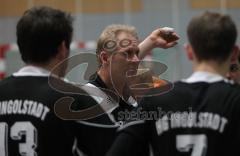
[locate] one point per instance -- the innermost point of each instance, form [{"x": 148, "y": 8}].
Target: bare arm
[{"x": 159, "y": 38}]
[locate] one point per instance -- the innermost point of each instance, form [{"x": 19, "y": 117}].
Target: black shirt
[
  {"x": 197, "y": 118},
  {"x": 28, "y": 123},
  {"x": 102, "y": 129}
]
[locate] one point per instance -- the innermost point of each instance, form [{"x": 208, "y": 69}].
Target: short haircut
[
  {"x": 212, "y": 36},
  {"x": 40, "y": 31},
  {"x": 109, "y": 34}
]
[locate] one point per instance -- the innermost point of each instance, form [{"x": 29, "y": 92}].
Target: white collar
[
  {"x": 203, "y": 76},
  {"x": 31, "y": 71}
]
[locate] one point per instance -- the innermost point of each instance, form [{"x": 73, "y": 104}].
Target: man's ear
[
  {"x": 235, "y": 54},
  {"x": 189, "y": 51},
  {"x": 104, "y": 57},
  {"x": 63, "y": 51}
]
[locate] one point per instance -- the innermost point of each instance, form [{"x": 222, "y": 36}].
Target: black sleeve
[
  {"x": 236, "y": 137},
  {"x": 131, "y": 141}
]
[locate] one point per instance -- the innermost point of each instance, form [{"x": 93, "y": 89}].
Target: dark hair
[
  {"x": 40, "y": 31},
  {"x": 212, "y": 36}
]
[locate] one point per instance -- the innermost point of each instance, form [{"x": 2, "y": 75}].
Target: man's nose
[{"x": 135, "y": 58}]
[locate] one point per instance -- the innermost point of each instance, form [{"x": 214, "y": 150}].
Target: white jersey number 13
[{"x": 17, "y": 131}]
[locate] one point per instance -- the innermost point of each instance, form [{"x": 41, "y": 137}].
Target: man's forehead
[
  {"x": 127, "y": 36},
  {"x": 123, "y": 40}
]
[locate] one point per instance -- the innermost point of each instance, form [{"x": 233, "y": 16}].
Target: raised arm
[{"x": 160, "y": 38}]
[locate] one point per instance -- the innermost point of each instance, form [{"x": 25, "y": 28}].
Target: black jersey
[
  {"x": 103, "y": 129},
  {"x": 194, "y": 119},
  {"x": 28, "y": 123}
]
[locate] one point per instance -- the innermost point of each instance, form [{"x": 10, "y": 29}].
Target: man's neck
[
  {"x": 115, "y": 86},
  {"x": 39, "y": 66},
  {"x": 47, "y": 66},
  {"x": 212, "y": 67}
]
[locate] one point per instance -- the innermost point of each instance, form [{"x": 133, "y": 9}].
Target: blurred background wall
[{"x": 92, "y": 16}]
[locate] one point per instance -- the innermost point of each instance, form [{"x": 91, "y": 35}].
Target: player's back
[
  {"x": 28, "y": 125},
  {"x": 196, "y": 119}
]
